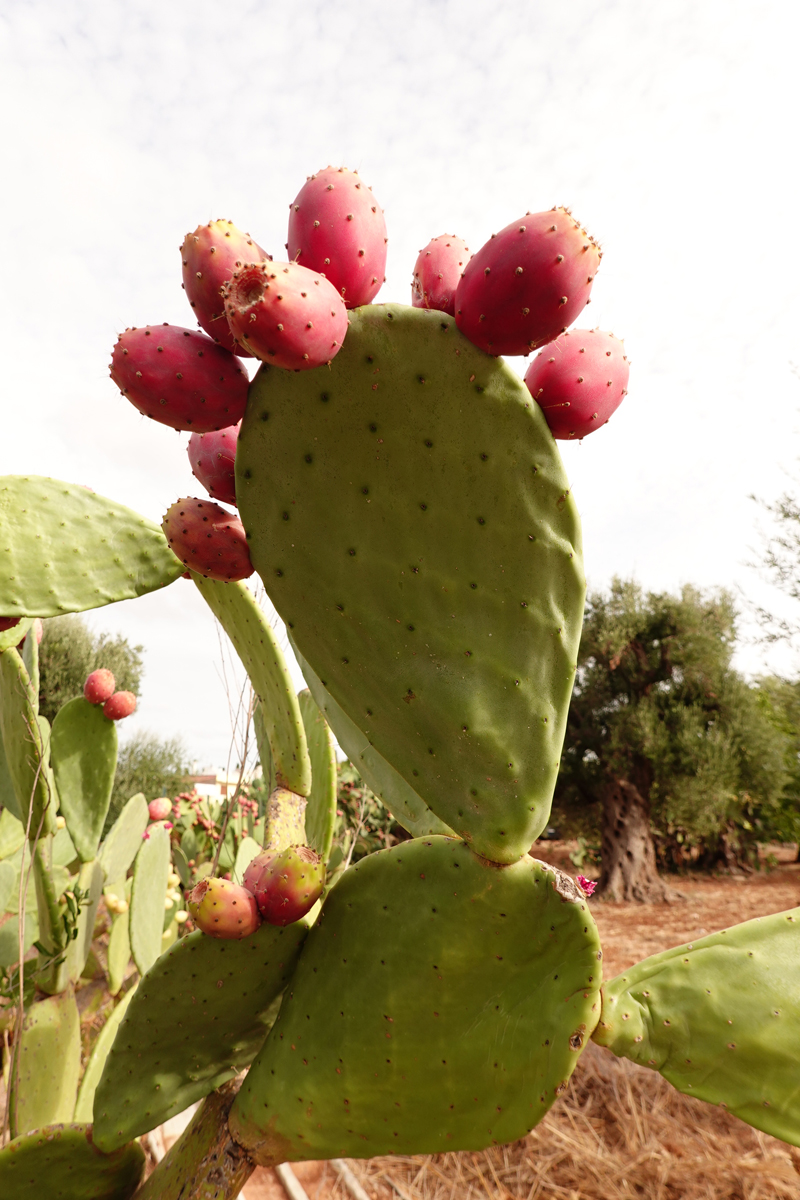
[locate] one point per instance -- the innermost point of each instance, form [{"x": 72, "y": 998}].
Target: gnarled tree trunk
[{"x": 627, "y": 853}]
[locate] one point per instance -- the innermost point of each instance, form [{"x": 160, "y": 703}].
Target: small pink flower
[{"x": 586, "y": 885}]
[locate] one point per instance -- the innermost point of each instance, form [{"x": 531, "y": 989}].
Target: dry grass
[{"x": 619, "y": 1133}]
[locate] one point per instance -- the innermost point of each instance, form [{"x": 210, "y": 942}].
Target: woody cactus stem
[{"x": 205, "y": 1163}]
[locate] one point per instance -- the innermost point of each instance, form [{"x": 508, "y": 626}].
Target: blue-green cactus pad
[
  {"x": 255, "y": 642},
  {"x": 719, "y": 1019},
  {"x": 65, "y": 549},
  {"x": 410, "y": 517},
  {"x": 199, "y": 1015},
  {"x": 440, "y": 1003},
  {"x": 60, "y": 1162},
  {"x": 83, "y": 751}
]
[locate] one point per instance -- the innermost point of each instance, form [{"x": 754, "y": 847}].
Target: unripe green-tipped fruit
[
  {"x": 99, "y": 686},
  {"x": 290, "y": 885},
  {"x": 223, "y": 909},
  {"x": 120, "y": 705}
]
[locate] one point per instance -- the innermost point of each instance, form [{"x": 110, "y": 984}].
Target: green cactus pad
[
  {"x": 64, "y": 549},
  {"x": 90, "y": 880},
  {"x": 83, "y": 751},
  {"x": 8, "y": 877},
  {"x": 60, "y": 1162},
  {"x": 146, "y": 916},
  {"x": 199, "y": 1016},
  {"x": 49, "y": 1064},
  {"x": 391, "y": 788},
  {"x": 14, "y": 635},
  {"x": 440, "y": 1003},
  {"x": 119, "y": 942},
  {"x": 97, "y": 1059},
  {"x": 247, "y": 851},
  {"x": 718, "y": 1018},
  {"x": 12, "y": 833},
  {"x": 8, "y": 796},
  {"x": 25, "y": 745},
  {"x": 410, "y": 517},
  {"x": 30, "y": 657},
  {"x": 321, "y": 809},
  {"x": 124, "y": 838},
  {"x": 254, "y": 641}
]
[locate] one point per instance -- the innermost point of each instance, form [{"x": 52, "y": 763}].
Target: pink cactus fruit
[
  {"x": 209, "y": 257},
  {"x": 255, "y": 870},
  {"x": 579, "y": 380},
  {"x": 207, "y": 538},
  {"x": 99, "y": 686},
  {"x": 180, "y": 378},
  {"x": 336, "y": 227},
  {"x": 223, "y": 909},
  {"x": 437, "y": 272},
  {"x": 119, "y": 706},
  {"x": 527, "y": 284},
  {"x": 290, "y": 885},
  {"x": 587, "y": 886},
  {"x": 160, "y": 808},
  {"x": 286, "y": 315},
  {"x": 213, "y": 458}
]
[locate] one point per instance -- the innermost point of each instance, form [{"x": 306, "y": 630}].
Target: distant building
[{"x": 216, "y": 784}]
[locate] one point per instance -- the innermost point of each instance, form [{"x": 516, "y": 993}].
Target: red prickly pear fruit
[
  {"x": 119, "y": 706},
  {"x": 223, "y": 909},
  {"x": 207, "y": 538},
  {"x": 290, "y": 885},
  {"x": 160, "y": 808},
  {"x": 579, "y": 380},
  {"x": 209, "y": 257},
  {"x": 437, "y": 272},
  {"x": 180, "y": 378},
  {"x": 213, "y": 456},
  {"x": 255, "y": 869},
  {"x": 286, "y": 315},
  {"x": 336, "y": 227},
  {"x": 8, "y": 623},
  {"x": 527, "y": 284},
  {"x": 99, "y": 686}
]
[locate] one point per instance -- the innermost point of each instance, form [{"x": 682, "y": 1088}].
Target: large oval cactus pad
[
  {"x": 65, "y": 549},
  {"x": 49, "y": 1064},
  {"x": 440, "y": 1003},
  {"x": 199, "y": 1015},
  {"x": 409, "y": 515},
  {"x": 61, "y": 1162},
  {"x": 719, "y": 1020},
  {"x": 83, "y": 751}
]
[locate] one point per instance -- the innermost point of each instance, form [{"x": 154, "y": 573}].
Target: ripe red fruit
[
  {"x": 579, "y": 380},
  {"x": 180, "y": 378},
  {"x": 286, "y": 315},
  {"x": 210, "y": 256},
  {"x": 255, "y": 870},
  {"x": 213, "y": 457},
  {"x": 527, "y": 284},
  {"x": 290, "y": 885},
  {"x": 336, "y": 227},
  {"x": 437, "y": 272},
  {"x": 119, "y": 706},
  {"x": 160, "y": 808},
  {"x": 99, "y": 686},
  {"x": 207, "y": 538},
  {"x": 223, "y": 909}
]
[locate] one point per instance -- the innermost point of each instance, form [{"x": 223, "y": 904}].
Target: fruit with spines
[
  {"x": 578, "y": 381},
  {"x": 213, "y": 459},
  {"x": 223, "y": 909},
  {"x": 119, "y": 706},
  {"x": 286, "y": 315},
  {"x": 209, "y": 257},
  {"x": 180, "y": 378},
  {"x": 99, "y": 686},
  {"x": 160, "y": 808},
  {"x": 336, "y": 227},
  {"x": 255, "y": 869},
  {"x": 437, "y": 271},
  {"x": 527, "y": 284},
  {"x": 208, "y": 539},
  {"x": 290, "y": 885}
]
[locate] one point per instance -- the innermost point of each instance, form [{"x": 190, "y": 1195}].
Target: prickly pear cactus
[
  {"x": 25, "y": 742},
  {"x": 83, "y": 750},
  {"x": 49, "y": 1064},
  {"x": 320, "y": 816},
  {"x": 719, "y": 1020},
  {"x": 440, "y": 1003},
  {"x": 409, "y": 515},
  {"x": 63, "y": 1163}
]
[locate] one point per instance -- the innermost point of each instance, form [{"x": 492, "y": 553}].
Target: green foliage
[
  {"x": 149, "y": 764},
  {"x": 780, "y": 700},
  {"x": 657, "y": 703},
  {"x": 70, "y": 651},
  {"x": 362, "y": 818}
]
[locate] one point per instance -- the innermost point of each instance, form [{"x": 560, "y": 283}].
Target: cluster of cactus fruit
[{"x": 401, "y": 496}]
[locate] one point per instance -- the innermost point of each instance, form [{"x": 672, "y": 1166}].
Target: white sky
[{"x": 669, "y": 128}]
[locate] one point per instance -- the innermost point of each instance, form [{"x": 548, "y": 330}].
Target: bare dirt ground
[{"x": 620, "y": 1132}]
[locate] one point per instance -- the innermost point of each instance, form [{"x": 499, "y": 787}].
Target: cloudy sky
[{"x": 669, "y": 128}]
